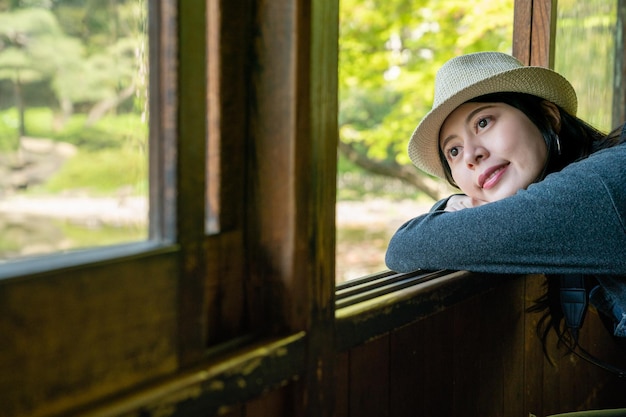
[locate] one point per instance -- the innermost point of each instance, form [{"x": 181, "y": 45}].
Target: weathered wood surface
[
  {"x": 69, "y": 338},
  {"x": 479, "y": 357}
]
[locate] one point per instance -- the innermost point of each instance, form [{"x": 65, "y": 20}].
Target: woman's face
[{"x": 493, "y": 150}]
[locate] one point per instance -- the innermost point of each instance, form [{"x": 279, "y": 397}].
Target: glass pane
[
  {"x": 389, "y": 52},
  {"x": 73, "y": 125},
  {"x": 584, "y": 53}
]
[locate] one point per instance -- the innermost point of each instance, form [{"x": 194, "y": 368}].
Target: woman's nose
[{"x": 474, "y": 154}]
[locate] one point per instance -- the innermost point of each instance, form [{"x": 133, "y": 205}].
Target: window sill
[
  {"x": 27, "y": 267},
  {"x": 380, "y": 303}
]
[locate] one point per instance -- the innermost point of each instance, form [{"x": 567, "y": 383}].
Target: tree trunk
[{"x": 19, "y": 103}]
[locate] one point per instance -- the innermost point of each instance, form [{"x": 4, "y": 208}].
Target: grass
[
  {"x": 102, "y": 172},
  {"x": 112, "y": 153}
]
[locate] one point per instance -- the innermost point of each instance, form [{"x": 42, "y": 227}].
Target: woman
[{"x": 543, "y": 192}]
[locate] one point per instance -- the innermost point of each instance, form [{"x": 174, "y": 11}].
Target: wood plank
[
  {"x": 542, "y": 35},
  {"x": 534, "y": 360},
  {"x": 512, "y": 307},
  {"x": 369, "y": 379},
  {"x": 406, "y": 370},
  {"x": 163, "y": 100},
  {"x": 272, "y": 403},
  {"x": 342, "y": 384},
  {"x": 470, "y": 341},
  {"x": 191, "y": 184},
  {"x": 363, "y": 321},
  {"x": 315, "y": 193},
  {"x": 500, "y": 373},
  {"x": 271, "y": 148},
  {"x": 233, "y": 411},
  {"x": 437, "y": 375},
  {"x": 221, "y": 385},
  {"x": 291, "y": 164},
  {"x": 589, "y": 384},
  {"x": 522, "y": 20},
  {"x": 230, "y": 27},
  {"x": 553, "y": 401},
  {"x": 609, "y": 390},
  {"x": 73, "y": 338},
  {"x": 225, "y": 292}
]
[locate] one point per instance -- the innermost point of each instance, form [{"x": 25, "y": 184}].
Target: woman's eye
[
  {"x": 482, "y": 123},
  {"x": 453, "y": 152}
]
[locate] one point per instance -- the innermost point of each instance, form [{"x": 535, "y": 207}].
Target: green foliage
[
  {"x": 112, "y": 131},
  {"x": 112, "y": 152},
  {"x": 8, "y": 130},
  {"x": 31, "y": 42},
  {"x": 581, "y": 28},
  {"x": 102, "y": 172},
  {"x": 390, "y": 51},
  {"x": 98, "y": 59},
  {"x": 86, "y": 61}
]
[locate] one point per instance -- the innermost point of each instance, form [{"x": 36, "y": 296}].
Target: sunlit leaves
[{"x": 389, "y": 53}]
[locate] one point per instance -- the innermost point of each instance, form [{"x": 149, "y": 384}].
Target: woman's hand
[{"x": 459, "y": 202}]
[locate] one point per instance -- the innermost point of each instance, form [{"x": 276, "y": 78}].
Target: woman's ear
[{"x": 553, "y": 114}]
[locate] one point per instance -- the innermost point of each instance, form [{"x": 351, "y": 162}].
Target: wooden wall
[{"x": 480, "y": 357}]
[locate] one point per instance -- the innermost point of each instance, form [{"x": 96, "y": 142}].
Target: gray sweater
[{"x": 573, "y": 221}]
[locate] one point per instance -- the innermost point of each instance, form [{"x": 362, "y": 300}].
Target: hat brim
[{"x": 423, "y": 146}]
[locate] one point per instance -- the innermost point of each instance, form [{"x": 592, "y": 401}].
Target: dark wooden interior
[{"x": 231, "y": 308}]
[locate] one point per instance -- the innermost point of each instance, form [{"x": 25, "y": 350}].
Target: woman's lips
[{"x": 491, "y": 176}]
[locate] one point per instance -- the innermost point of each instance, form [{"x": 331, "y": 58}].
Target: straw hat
[{"x": 469, "y": 76}]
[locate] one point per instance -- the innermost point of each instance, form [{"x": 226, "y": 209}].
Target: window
[
  {"x": 74, "y": 125},
  {"x": 389, "y": 52},
  {"x": 585, "y": 44},
  {"x": 119, "y": 319}
]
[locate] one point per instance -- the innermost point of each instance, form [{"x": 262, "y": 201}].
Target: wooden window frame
[{"x": 158, "y": 310}]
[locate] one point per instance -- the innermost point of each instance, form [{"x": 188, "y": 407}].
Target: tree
[
  {"x": 32, "y": 48},
  {"x": 389, "y": 53},
  {"x": 114, "y": 66},
  {"x": 95, "y": 64}
]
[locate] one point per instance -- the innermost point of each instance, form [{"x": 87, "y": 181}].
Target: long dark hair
[{"x": 575, "y": 140}]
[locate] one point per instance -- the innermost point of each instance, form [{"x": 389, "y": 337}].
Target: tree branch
[
  {"x": 432, "y": 188},
  {"x": 100, "y": 108}
]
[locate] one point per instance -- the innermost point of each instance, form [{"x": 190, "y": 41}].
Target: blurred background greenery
[{"x": 73, "y": 125}]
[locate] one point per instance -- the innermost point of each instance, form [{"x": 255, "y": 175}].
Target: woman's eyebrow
[
  {"x": 448, "y": 138},
  {"x": 468, "y": 119},
  {"x": 471, "y": 115}
]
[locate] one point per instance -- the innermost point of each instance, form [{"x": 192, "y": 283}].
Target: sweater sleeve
[{"x": 571, "y": 222}]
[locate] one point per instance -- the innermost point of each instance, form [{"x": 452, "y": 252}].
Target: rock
[{"x": 36, "y": 160}]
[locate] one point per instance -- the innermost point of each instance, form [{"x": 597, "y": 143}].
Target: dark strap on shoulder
[
  {"x": 573, "y": 301},
  {"x": 574, "y": 305}
]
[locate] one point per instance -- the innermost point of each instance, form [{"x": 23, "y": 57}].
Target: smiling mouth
[{"x": 491, "y": 177}]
